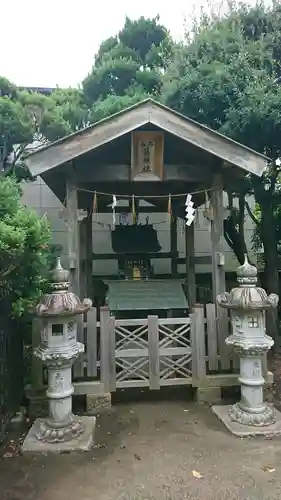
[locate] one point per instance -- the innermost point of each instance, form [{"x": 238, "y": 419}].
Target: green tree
[
  {"x": 15, "y": 125},
  {"x": 128, "y": 67},
  {"x": 111, "y": 104},
  {"x": 25, "y": 116},
  {"x": 227, "y": 76},
  {"x": 72, "y": 107},
  {"x": 24, "y": 250}
]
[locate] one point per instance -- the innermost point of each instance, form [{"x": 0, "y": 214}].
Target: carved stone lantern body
[
  {"x": 59, "y": 349},
  {"x": 247, "y": 304}
]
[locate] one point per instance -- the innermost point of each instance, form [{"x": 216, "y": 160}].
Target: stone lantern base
[
  {"x": 242, "y": 430},
  {"x": 82, "y": 442}
]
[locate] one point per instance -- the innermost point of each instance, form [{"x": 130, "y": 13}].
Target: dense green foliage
[
  {"x": 24, "y": 250},
  {"x": 25, "y": 116},
  {"x": 227, "y": 76},
  {"x": 128, "y": 67}
]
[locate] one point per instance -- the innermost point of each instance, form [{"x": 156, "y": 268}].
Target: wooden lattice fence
[{"x": 148, "y": 352}]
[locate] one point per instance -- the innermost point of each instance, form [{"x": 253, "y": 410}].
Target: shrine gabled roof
[{"x": 146, "y": 112}]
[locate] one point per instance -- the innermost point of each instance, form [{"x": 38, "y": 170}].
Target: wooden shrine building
[
  {"x": 109, "y": 157},
  {"x": 146, "y": 152}
]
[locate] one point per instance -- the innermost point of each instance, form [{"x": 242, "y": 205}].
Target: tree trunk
[
  {"x": 271, "y": 274},
  {"x": 235, "y": 239},
  {"x": 234, "y": 228}
]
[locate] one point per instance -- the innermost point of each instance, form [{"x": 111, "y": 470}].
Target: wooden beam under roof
[{"x": 120, "y": 173}]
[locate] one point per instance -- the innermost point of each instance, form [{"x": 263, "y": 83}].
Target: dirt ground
[{"x": 168, "y": 449}]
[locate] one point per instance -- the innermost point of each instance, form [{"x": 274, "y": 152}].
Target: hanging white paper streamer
[
  {"x": 189, "y": 210},
  {"x": 113, "y": 205}
]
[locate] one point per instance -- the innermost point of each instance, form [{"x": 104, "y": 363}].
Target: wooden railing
[
  {"x": 112, "y": 346},
  {"x": 210, "y": 354},
  {"x": 148, "y": 352}
]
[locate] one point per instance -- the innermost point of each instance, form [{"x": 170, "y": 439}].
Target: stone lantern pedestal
[
  {"x": 247, "y": 304},
  {"x": 58, "y": 311}
]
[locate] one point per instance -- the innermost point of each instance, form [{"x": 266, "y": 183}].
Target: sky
[{"x": 54, "y": 42}]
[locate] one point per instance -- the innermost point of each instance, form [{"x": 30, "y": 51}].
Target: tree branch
[
  {"x": 241, "y": 214},
  {"x": 228, "y": 241},
  {"x": 230, "y": 200},
  {"x": 250, "y": 213}
]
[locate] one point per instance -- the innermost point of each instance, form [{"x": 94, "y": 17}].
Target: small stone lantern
[
  {"x": 247, "y": 305},
  {"x": 58, "y": 351}
]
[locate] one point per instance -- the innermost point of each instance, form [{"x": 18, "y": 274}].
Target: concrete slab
[
  {"x": 83, "y": 442},
  {"x": 241, "y": 430}
]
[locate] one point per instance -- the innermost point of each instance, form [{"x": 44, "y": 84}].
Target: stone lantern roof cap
[
  {"x": 59, "y": 275},
  {"x": 247, "y": 273},
  {"x": 61, "y": 301},
  {"x": 247, "y": 295}
]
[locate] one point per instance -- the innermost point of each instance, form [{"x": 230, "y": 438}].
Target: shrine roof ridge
[{"x": 138, "y": 115}]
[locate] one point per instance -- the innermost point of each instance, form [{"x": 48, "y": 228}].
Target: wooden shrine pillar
[
  {"x": 89, "y": 255},
  {"x": 83, "y": 250},
  {"x": 85, "y": 256},
  {"x": 174, "y": 246},
  {"x": 190, "y": 264},
  {"x": 73, "y": 236},
  {"x": 218, "y": 272},
  {"x": 217, "y": 235}
]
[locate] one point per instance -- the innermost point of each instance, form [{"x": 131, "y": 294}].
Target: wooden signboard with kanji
[{"x": 147, "y": 155}]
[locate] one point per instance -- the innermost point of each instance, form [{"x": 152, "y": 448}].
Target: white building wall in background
[{"x": 38, "y": 196}]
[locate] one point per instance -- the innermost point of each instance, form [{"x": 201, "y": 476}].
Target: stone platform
[
  {"x": 83, "y": 442},
  {"x": 241, "y": 430}
]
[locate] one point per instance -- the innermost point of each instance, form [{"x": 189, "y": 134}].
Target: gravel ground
[{"x": 150, "y": 451}]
